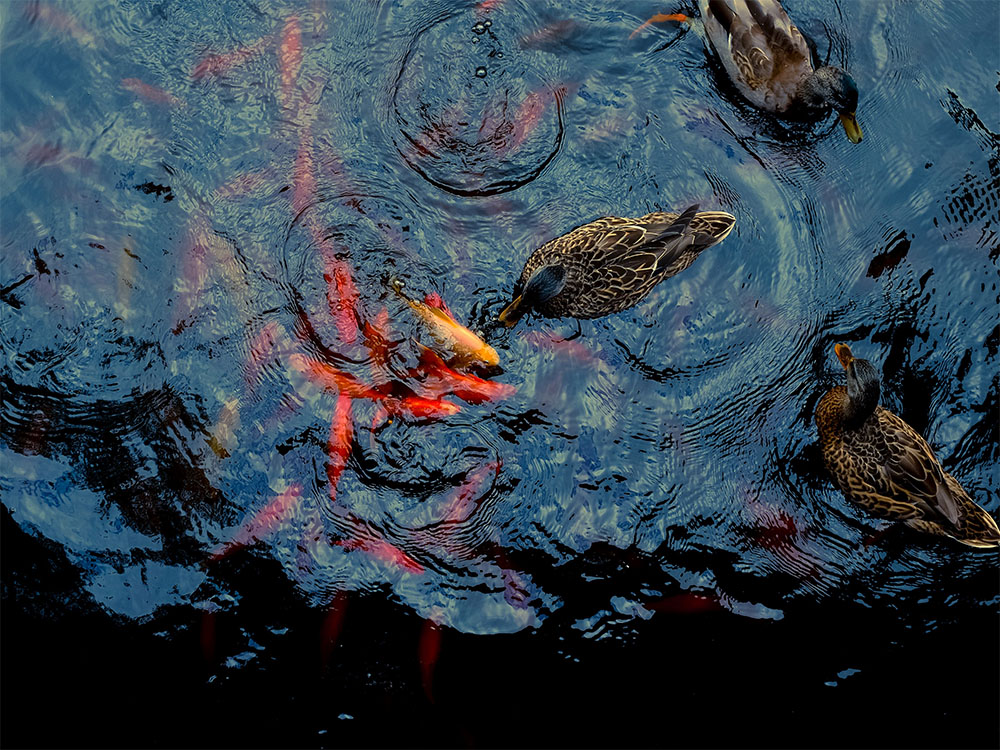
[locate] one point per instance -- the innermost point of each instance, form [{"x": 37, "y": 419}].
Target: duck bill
[
  {"x": 511, "y": 314},
  {"x": 843, "y": 352},
  {"x": 851, "y": 127}
]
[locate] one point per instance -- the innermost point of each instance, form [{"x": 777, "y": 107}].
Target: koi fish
[
  {"x": 261, "y": 524},
  {"x": 407, "y": 405},
  {"x": 333, "y": 623},
  {"x": 339, "y": 444},
  {"x": 487, "y": 5},
  {"x": 466, "y": 346},
  {"x": 290, "y": 58},
  {"x": 685, "y": 603},
  {"x": 377, "y": 341},
  {"x": 218, "y": 64},
  {"x": 550, "y": 36},
  {"x": 382, "y": 550},
  {"x": 153, "y": 93},
  {"x": 528, "y": 116},
  {"x": 438, "y": 379},
  {"x": 428, "y": 651},
  {"x": 458, "y": 506},
  {"x": 659, "y": 18}
]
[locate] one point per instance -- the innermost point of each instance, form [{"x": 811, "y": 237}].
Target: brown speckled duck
[
  {"x": 769, "y": 61},
  {"x": 610, "y": 264},
  {"x": 883, "y": 465}
]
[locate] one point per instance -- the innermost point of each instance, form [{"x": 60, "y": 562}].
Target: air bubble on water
[
  {"x": 480, "y": 72},
  {"x": 475, "y": 40},
  {"x": 487, "y": 23},
  {"x": 480, "y": 28},
  {"x": 499, "y": 55}
]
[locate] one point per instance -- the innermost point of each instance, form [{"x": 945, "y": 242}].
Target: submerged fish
[{"x": 465, "y": 345}]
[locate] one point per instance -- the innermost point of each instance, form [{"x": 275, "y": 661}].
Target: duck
[
  {"x": 771, "y": 64},
  {"x": 611, "y": 263},
  {"x": 882, "y": 464}
]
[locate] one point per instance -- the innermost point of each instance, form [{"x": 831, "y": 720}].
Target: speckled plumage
[
  {"x": 887, "y": 468},
  {"x": 610, "y": 264},
  {"x": 769, "y": 61}
]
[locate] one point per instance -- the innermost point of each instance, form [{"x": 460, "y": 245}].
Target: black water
[{"x": 652, "y": 553}]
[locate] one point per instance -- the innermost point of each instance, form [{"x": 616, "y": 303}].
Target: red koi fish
[
  {"x": 217, "y": 65},
  {"x": 685, "y": 603},
  {"x": 460, "y": 504},
  {"x": 528, "y": 116},
  {"x": 550, "y": 36},
  {"x": 261, "y": 524},
  {"x": 570, "y": 348},
  {"x": 333, "y": 623},
  {"x": 377, "y": 341},
  {"x": 55, "y": 19},
  {"x": 194, "y": 271},
  {"x": 152, "y": 93},
  {"x": 382, "y": 550},
  {"x": 437, "y": 379},
  {"x": 410, "y": 405},
  {"x": 428, "y": 651},
  {"x": 290, "y": 58},
  {"x": 339, "y": 444},
  {"x": 207, "y": 635},
  {"x": 487, "y": 5}
]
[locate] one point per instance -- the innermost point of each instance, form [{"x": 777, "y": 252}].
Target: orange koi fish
[
  {"x": 261, "y": 524},
  {"x": 465, "y": 345},
  {"x": 437, "y": 379},
  {"x": 153, "y": 93},
  {"x": 659, "y": 18}
]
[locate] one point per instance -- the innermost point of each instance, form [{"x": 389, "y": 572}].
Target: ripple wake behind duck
[{"x": 610, "y": 264}]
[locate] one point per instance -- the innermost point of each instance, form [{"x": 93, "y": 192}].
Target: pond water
[{"x": 638, "y": 543}]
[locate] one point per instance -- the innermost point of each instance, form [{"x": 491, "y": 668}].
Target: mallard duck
[
  {"x": 610, "y": 264},
  {"x": 883, "y": 465},
  {"x": 770, "y": 62}
]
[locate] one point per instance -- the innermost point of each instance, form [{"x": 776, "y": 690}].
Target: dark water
[{"x": 648, "y": 550}]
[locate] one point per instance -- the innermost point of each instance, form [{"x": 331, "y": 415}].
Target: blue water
[{"x": 659, "y": 474}]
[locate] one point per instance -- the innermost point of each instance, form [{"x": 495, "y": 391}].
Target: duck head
[
  {"x": 544, "y": 284},
  {"x": 863, "y": 386},
  {"x": 830, "y": 87}
]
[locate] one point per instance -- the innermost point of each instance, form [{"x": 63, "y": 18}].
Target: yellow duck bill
[{"x": 851, "y": 127}]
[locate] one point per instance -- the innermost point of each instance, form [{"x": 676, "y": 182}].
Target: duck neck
[
  {"x": 860, "y": 405},
  {"x": 544, "y": 284}
]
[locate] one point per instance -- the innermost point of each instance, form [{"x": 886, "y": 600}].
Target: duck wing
[
  {"x": 765, "y": 47},
  {"x": 909, "y": 470}
]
